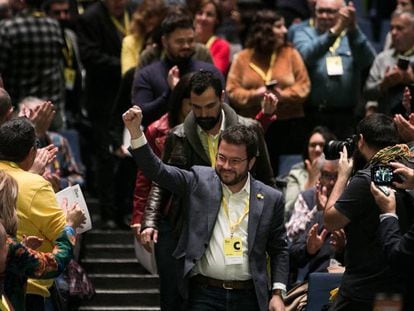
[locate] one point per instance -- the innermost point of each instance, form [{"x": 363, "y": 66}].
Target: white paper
[
  {"x": 145, "y": 258},
  {"x": 74, "y": 195}
]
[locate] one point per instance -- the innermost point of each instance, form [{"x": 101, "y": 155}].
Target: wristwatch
[{"x": 279, "y": 292}]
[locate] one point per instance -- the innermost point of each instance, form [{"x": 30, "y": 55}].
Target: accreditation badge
[
  {"x": 334, "y": 66},
  {"x": 233, "y": 250},
  {"x": 70, "y": 75}
]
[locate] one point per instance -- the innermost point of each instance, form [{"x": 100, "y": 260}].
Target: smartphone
[
  {"x": 403, "y": 62},
  {"x": 270, "y": 85},
  {"x": 382, "y": 175}
]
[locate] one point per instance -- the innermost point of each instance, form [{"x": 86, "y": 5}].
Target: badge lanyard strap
[
  {"x": 121, "y": 28},
  {"x": 212, "y": 149},
  {"x": 336, "y": 44},
  {"x": 235, "y": 225},
  {"x": 68, "y": 53},
  {"x": 268, "y": 75}
]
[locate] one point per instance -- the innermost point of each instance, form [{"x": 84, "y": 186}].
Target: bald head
[{"x": 327, "y": 13}]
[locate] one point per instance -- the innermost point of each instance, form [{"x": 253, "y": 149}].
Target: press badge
[
  {"x": 70, "y": 75},
  {"x": 334, "y": 66},
  {"x": 233, "y": 251}
]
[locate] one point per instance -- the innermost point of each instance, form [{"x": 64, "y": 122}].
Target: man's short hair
[
  {"x": 5, "y": 104},
  {"x": 241, "y": 135},
  {"x": 378, "y": 130},
  {"x": 17, "y": 137},
  {"x": 202, "y": 80},
  {"x": 175, "y": 21}
]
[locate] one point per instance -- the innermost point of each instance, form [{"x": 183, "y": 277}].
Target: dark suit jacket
[
  {"x": 400, "y": 253},
  {"x": 100, "y": 49},
  {"x": 201, "y": 191}
]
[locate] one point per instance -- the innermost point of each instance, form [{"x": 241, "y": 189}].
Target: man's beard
[
  {"x": 207, "y": 123},
  {"x": 181, "y": 59},
  {"x": 236, "y": 179}
]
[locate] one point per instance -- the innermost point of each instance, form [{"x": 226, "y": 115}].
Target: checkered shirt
[{"x": 31, "y": 58}]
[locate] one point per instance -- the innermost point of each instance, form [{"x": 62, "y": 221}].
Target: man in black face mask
[
  {"x": 153, "y": 83},
  {"x": 194, "y": 142},
  {"x": 59, "y": 10}
]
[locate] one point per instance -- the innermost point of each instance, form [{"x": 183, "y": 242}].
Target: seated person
[
  {"x": 304, "y": 175},
  {"x": 21, "y": 260},
  {"x": 63, "y": 171}
]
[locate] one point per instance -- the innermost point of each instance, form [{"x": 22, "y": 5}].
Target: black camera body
[{"x": 334, "y": 147}]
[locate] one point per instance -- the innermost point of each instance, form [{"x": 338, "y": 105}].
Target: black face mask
[{"x": 207, "y": 123}]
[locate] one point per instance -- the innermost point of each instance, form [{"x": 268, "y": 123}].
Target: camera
[
  {"x": 403, "y": 62},
  {"x": 382, "y": 175},
  {"x": 334, "y": 147}
]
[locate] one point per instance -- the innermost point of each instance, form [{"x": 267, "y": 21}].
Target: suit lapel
[
  {"x": 214, "y": 204},
  {"x": 255, "y": 212},
  {"x": 190, "y": 129}
]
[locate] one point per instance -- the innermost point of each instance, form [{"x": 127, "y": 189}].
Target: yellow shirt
[
  {"x": 131, "y": 48},
  {"x": 38, "y": 213}
]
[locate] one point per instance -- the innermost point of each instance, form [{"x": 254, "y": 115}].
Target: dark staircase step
[
  {"x": 125, "y": 281},
  {"x": 98, "y": 236},
  {"x": 125, "y": 297},
  {"x": 113, "y": 266},
  {"x": 109, "y": 250}
]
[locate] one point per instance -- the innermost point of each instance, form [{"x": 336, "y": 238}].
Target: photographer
[
  {"x": 398, "y": 248},
  {"x": 352, "y": 207}
]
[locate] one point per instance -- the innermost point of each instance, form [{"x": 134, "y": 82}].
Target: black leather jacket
[{"x": 183, "y": 149}]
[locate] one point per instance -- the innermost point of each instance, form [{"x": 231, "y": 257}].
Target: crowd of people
[{"x": 185, "y": 113}]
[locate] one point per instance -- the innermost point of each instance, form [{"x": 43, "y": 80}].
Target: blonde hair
[{"x": 8, "y": 198}]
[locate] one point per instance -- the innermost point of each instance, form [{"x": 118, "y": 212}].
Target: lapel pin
[{"x": 259, "y": 196}]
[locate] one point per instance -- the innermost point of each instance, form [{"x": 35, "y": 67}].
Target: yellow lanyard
[
  {"x": 38, "y": 14},
  {"x": 408, "y": 52},
  {"x": 235, "y": 225},
  {"x": 311, "y": 22},
  {"x": 4, "y": 305},
  {"x": 212, "y": 143},
  {"x": 336, "y": 44},
  {"x": 68, "y": 52},
  {"x": 268, "y": 75},
  {"x": 210, "y": 42},
  {"x": 121, "y": 28}
]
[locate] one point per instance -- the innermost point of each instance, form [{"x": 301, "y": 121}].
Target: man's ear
[{"x": 361, "y": 141}]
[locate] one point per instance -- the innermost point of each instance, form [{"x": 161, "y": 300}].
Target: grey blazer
[{"x": 201, "y": 191}]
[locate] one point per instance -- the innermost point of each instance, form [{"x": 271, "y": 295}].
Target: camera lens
[{"x": 334, "y": 147}]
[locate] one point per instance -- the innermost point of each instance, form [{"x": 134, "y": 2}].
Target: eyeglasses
[
  {"x": 232, "y": 161},
  {"x": 326, "y": 10}
]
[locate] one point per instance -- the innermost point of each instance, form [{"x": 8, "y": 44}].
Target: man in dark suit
[
  {"x": 232, "y": 222},
  {"x": 398, "y": 248},
  {"x": 100, "y": 31}
]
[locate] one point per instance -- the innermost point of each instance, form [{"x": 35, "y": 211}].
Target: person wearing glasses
[
  {"x": 194, "y": 142},
  {"x": 336, "y": 53},
  {"x": 232, "y": 222}
]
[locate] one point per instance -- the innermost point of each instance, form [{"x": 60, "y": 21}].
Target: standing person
[
  {"x": 336, "y": 53},
  {"x": 37, "y": 208},
  {"x": 146, "y": 18},
  {"x": 352, "y": 207},
  {"x": 387, "y": 79},
  {"x": 222, "y": 256},
  {"x": 192, "y": 143},
  {"x": 153, "y": 83},
  {"x": 207, "y": 17},
  {"x": 74, "y": 72},
  {"x": 268, "y": 59},
  {"x": 30, "y": 58},
  {"x": 156, "y": 133},
  {"x": 101, "y": 30},
  {"x": 398, "y": 248}
]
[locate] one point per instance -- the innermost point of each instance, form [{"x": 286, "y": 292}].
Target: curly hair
[
  {"x": 261, "y": 37},
  {"x": 146, "y": 10},
  {"x": 8, "y": 198}
]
